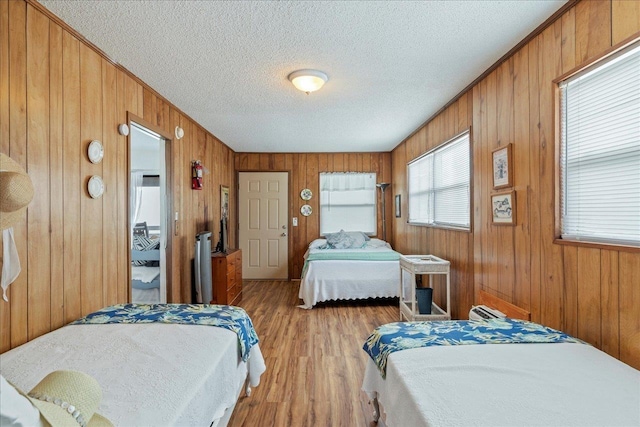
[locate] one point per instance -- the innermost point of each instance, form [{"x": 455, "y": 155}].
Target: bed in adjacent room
[
  {"x": 348, "y": 266},
  {"x": 496, "y": 372},
  {"x": 145, "y": 270},
  {"x": 151, "y": 372}
]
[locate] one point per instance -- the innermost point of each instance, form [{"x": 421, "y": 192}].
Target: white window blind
[
  {"x": 347, "y": 202},
  {"x": 439, "y": 185},
  {"x": 600, "y": 151}
]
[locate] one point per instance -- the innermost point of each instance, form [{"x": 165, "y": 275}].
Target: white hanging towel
[{"x": 10, "y": 261}]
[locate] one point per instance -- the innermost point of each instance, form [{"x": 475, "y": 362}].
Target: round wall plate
[
  {"x": 95, "y": 151},
  {"x": 95, "y": 187},
  {"x": 123, "y": 129},
  {"x": 306, "y": 194},
  {"x": 306, "y": 210}
]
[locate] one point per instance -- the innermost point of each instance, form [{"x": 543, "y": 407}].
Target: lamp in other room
[
  {"x": 308, "y": 80},
  {"x": 383, "y": 186}
]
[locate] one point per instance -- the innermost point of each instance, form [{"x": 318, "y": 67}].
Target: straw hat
[
  {"x": 16, "y": 191},
  {"x": 69, "y": 398}
]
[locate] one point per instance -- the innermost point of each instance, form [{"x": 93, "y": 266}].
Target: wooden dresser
[{"x": 226, "y": 274}]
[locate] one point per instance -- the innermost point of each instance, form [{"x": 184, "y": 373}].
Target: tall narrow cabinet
[{"x": 226, "y": 273}]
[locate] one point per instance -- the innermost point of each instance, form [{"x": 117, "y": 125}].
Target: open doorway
[{"x": 148, "y": 215}]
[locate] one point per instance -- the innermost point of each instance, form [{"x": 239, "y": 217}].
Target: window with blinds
[
  {"x": 439, "y": 186},
  {"x": 348, "y": 202},
  {"x": 600, "y": 151}
]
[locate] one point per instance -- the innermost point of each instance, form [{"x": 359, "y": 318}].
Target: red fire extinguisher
[{"x": 196, "y": 175}]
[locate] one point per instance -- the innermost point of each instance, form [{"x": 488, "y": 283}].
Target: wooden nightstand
[{"x": 226, "y": 274}]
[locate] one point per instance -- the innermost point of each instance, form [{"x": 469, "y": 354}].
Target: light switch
[{"x": 295, "y": 221}]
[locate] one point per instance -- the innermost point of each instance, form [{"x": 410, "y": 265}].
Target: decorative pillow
[
  {"x": 346, "y": 240},
  {"x": 358, "y": 238},
  {"x": 377, "y": 243},
  {"x": 317, "y": 243},
  {"x": 15, "y": 409},
  {"x": 143, "y": 243}
]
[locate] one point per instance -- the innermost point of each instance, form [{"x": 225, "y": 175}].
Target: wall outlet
[{"x": 295, "y": 221}]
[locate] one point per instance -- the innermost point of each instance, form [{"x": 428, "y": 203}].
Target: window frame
[
  {"x": 443, "y": 226},
  {"x": 375, "y": 203},
  {"x": 557, "y": 109}
]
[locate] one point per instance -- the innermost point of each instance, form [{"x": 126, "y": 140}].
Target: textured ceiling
[{"x": 391, "y": 65}]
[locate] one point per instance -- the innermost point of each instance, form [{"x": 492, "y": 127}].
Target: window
[
  {"x": 348, "y": 202},
  {"x": 149, "y": 206},
  {"x": 600, "y": 151},
  {"x": 439, "y": 186}
]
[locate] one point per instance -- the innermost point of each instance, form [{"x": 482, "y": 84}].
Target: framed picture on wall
[
  {"x": 224, "y": 202},
  {"x": 503, "y": 208},
  {"x": 502, "y": 167},
  {"x": 398, "y": 207}
]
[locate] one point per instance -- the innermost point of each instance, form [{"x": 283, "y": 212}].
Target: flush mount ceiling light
[{"x": 308, "y": 80}]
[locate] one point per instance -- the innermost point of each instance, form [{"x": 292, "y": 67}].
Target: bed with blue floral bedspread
[
  {"x": 496, "y": 372},
  {"x": 157, "y": 364},
  {"x": 393, "y": 337},
  {"x": 223, "y": 316}
]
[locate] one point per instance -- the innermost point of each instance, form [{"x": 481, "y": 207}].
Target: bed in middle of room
[{"x": 355, "y": 267}]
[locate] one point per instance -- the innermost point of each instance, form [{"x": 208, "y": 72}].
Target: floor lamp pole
[{"x": 383, "y": 186}]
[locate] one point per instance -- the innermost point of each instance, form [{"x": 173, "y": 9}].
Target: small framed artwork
[
  {"x": 503, "y": 208},
  {"x": 398, "y": 208},
  {"x": 224, "y": 202},
  {"x": 502, "y": 167}
]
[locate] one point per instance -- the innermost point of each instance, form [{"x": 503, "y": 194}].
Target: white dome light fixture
[{"x": 308, "y": 80}]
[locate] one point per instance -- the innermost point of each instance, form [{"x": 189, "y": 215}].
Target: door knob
[
  {"x": 284, "y": 227},
  {"x": 283, "y": 235}
]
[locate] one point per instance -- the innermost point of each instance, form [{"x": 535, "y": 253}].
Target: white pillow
[
  {"x": 317, "y": 243},
  {"x": 377, "y": 243},
  {"x": 15, "y": 409}
]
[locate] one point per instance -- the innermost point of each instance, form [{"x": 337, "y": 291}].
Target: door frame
[
  {"x": 169, "y": 140},
  {"x": 289, "y": 215}
]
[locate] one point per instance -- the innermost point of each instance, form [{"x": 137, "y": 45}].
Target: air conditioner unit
[{"x": 482, "y": 312}]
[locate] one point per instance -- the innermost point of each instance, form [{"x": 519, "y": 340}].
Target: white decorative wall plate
[
  {"x": 95, "y": 151},
  {"x": 95, "y": 187},
  {"x": 306, "y": 210},
  {"x": 306, "y": 194}
]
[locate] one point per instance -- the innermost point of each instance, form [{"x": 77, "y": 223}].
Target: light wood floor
[{"x": 315, "y": 362}]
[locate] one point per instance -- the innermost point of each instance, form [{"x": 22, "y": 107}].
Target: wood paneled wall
[
  {"x": 590, "y": 293},
  {"x": 304, "y": 170},
  {"x": 56, "y": 95}
]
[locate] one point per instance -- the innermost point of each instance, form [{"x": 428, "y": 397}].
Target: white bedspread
[
  {"x": 506, "y": 385},
  {"x": 150, "y": 374},
  {"x": 345, "y": 280},
  {"x": 144, "y": 274},
  {"x": 327, "y": 280}
]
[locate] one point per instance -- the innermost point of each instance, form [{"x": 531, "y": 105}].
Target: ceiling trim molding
[
  {"x": 516, "y": 48},
  {"x": 41, "y": 8}
]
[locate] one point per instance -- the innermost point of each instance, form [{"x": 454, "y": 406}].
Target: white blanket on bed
[
  {"x": 150, "y": 374},
  {"x": 506, "y": 385},
  {"x": 144, "y": 274},
  {"x": 327, "y": 280}
]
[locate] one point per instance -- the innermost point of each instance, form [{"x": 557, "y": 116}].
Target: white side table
[{"x": 422, "y": 264}]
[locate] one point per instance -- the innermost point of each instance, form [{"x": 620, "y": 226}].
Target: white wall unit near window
[
  {"x": 348, "y": 202},
  {"x": 600, "y": 151},
  {"x": 439, "y": 185}
]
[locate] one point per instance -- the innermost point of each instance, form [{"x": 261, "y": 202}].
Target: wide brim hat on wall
[
  {"x": 69, "y": 398},
  {"x": 16, "y": 191}
]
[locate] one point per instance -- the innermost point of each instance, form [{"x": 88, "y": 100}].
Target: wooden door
[{"x": 263, "y": 219}]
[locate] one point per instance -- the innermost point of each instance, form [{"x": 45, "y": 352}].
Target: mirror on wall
[{"x": 148, "y": 216}]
